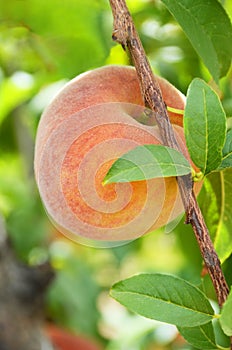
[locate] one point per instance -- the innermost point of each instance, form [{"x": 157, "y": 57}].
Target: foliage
[
  {"x": 204, "y": 114},
  {"x": 148, "y": 162},
  {"x": 226, "y": 317},
  {"x": 209, "y": 29},
  {"x": 43, "y": 44},
  {"x": 161, "y": 297},
  {"x": 215, "y": 200}
]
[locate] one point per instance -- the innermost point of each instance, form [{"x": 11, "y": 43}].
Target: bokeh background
[{"x": 43, "y": 44}]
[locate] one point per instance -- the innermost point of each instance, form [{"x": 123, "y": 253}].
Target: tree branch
[{"x": 124, "y": 32}]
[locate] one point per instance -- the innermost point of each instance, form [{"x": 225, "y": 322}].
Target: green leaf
[
  {"x": 147, "y": 162},
  {"x": 164, "y": 298},
  {"x": 227, "y": 152},
  {"x": 222, "y": 340},
  {"x": 226, "y": 316},
  {"x": 209, "y": 30},
  {"x": 202, "y": 337},
  {"x": 204, "y": 126},
  {"x": 215, "y": 201}
]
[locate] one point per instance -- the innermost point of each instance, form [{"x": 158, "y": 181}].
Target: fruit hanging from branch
[{"x": 95, "y": 119}]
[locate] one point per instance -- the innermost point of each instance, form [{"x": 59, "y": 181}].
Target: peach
[{"x": 92, "y": 121}]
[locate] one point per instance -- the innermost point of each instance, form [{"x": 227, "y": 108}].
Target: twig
[{"x": 124, "y": 32}]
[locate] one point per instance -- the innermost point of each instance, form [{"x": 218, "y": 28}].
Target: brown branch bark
[{"x": 124, "y": 32}]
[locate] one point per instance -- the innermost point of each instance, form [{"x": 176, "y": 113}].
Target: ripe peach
[{"x": 92, "y": 122}]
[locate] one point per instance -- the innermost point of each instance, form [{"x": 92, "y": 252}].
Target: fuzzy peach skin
[
  {"x": 92, "y": 122},
  {"x": 105, "y": 84}
]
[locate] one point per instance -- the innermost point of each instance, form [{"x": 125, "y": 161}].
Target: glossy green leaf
[
  {"x": 201, "y": 337},
  {"x": 215, "y": 200},
  {"x": 209, "y": 30},
  {"x": 147, "y": 162},
  {"x": 226, "y": 316},
  {"x": 164, "y": 298},
  {"x": 227, "y": 152},
  {"x": 222, "y": 340},
  {"x": 204, "y": 126}
]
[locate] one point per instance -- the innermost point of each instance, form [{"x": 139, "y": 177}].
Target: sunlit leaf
[
  {"x": 204, "y": 126},
  {"x": 227, "y": 152},
  {"x": 208, "y": 28},
  {"x": 164, "y": 298},
  {"x": 147, "y": 162},
  {"x": 202, "y": 337},
  {"x": 226, "y": 316},
  {"x": 215, "y": 200}
]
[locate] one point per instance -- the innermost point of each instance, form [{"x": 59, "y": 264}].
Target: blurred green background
[{"x": 43, "y": 44}]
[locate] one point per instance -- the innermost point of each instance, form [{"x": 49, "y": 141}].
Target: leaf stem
[
  {"x": 124, "y": 32},
  {"x": 175, "y": 110}
]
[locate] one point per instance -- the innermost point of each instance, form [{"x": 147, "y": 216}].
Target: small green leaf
[
  {"x": 204, "y": 126},
  {"x": 147, "y": 162},
  {"x": 209, "y": 30},
  {"x": 227, "y": 152},
  {"x": 202, "y": 337},
  {"x": 222, "y": 340},
  {"x": 164, "y": 298},
  {"x": 226, "y": 316},
  {"x": 215, "y": 201}
]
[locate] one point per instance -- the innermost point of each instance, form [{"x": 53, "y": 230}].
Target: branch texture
[{"x": 124, "y": 33}]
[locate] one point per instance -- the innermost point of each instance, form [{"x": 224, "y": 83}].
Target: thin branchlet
[{"x": 124, "y": 33}]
